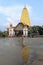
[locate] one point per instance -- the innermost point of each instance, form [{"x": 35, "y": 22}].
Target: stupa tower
[{"x": 25, "y": 17}]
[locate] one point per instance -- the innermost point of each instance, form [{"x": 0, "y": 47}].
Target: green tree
[
  {"x": 34, "y": 29},
  {"x": 40, "y": 30},
  {"x": 0, "y": 33},
  {"x": 4, "y": 34}
]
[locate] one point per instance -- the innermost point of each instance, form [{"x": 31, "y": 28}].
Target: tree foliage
[{"x": 37, "y": 29}]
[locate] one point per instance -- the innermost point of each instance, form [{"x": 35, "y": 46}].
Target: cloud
[
  {"x": 10, "y": 20},
  {"x": 4, "y": 24},
  {"x": 37, "y": 21},
  {"x": 13, "y": 13}
]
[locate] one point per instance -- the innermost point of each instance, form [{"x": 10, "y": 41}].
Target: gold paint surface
[
  {"x": 25, "y": 17},
  {"x": 25, "y": 53}
]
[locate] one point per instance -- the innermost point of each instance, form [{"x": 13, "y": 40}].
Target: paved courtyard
[{"x": 10, "y": 51}]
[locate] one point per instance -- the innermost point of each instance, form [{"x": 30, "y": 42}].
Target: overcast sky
[{"x": 10, "y": 11}]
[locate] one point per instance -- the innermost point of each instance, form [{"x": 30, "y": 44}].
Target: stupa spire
[{"x": 25, "y": 17}]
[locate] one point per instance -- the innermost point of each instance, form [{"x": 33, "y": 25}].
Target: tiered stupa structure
[
  {"x": 25, "y": 20},
  {"x": 25, "y": 17}
]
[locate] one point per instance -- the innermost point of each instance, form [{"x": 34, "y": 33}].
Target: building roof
[{"x": 20, "y": 26}]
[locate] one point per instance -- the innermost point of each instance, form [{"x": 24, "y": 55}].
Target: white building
[{"x": 11, "y": 30}]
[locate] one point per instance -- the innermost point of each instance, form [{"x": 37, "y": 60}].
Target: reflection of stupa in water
[{"x": 21, "y": 28}]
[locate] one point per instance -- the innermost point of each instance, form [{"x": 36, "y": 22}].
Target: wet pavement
[{"x": 10, "y": 51}]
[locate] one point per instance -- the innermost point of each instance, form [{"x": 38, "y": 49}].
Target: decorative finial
[{"x": 25, "y": 7}]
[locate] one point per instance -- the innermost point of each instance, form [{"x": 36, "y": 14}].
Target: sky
[{"x": 10, "y": 12}]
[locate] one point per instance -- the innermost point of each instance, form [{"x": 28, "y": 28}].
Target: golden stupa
[{"x": 25, "y": 17}]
